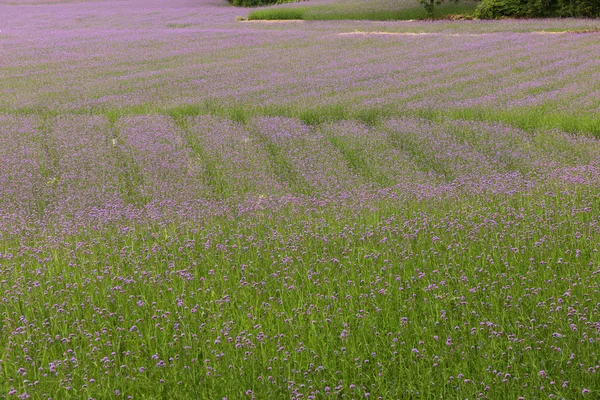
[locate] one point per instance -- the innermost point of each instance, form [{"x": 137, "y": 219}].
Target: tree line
[{"x": 491, "y": 9}]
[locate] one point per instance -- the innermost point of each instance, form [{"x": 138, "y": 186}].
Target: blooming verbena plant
[{"x": 393, "y": 210}]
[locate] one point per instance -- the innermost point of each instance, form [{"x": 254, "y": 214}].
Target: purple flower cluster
[
  {"x": 75, "y": 171},
  {"x": 196, "y": 208},
  {"x": 93, "y": 56}
]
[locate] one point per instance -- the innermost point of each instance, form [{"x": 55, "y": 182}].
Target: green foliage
[
  {"x": 429, "y": 6},
  {"x": 492, "y": 9},
  {"x": 579, "y": 8}
]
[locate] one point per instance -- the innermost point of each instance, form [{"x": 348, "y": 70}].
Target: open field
[{"x": 193, "y": 207}]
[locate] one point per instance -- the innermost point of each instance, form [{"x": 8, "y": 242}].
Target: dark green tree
[
  {"x": 490, "y": 9},
  {"x": 579, "y": 8}
]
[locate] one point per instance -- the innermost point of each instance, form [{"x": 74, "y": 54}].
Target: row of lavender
[
  {"x": 98, "y": 57},
  {"x": 361, "y": 295},
  {"x": 81, "y": 166}
]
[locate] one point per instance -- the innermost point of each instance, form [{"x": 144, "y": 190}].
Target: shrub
[
  {"x": 492, "y": 9},
  {"x": 579, "y": 8}
]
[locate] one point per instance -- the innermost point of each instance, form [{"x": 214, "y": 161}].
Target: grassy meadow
[
  {"x": 197, "y": 208},
  {"x": 380, "y": 10}
]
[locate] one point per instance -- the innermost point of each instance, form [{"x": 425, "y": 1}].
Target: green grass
[
  {"x": 402, "y": 279},
  {"x": 257, "y": 3},
  {"x": 278, "y": 14},
  {"x": 280, "y": 164},
  {"x": 528, "y": 119},
  {"x": 444, "y": 259},
  {"x": 394, "y": 297},
  {"x": 359, "y": 161},
  {"x": 331, "y": 13}
]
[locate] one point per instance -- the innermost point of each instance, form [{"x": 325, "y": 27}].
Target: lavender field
[{"x": 197, "y": 208}]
